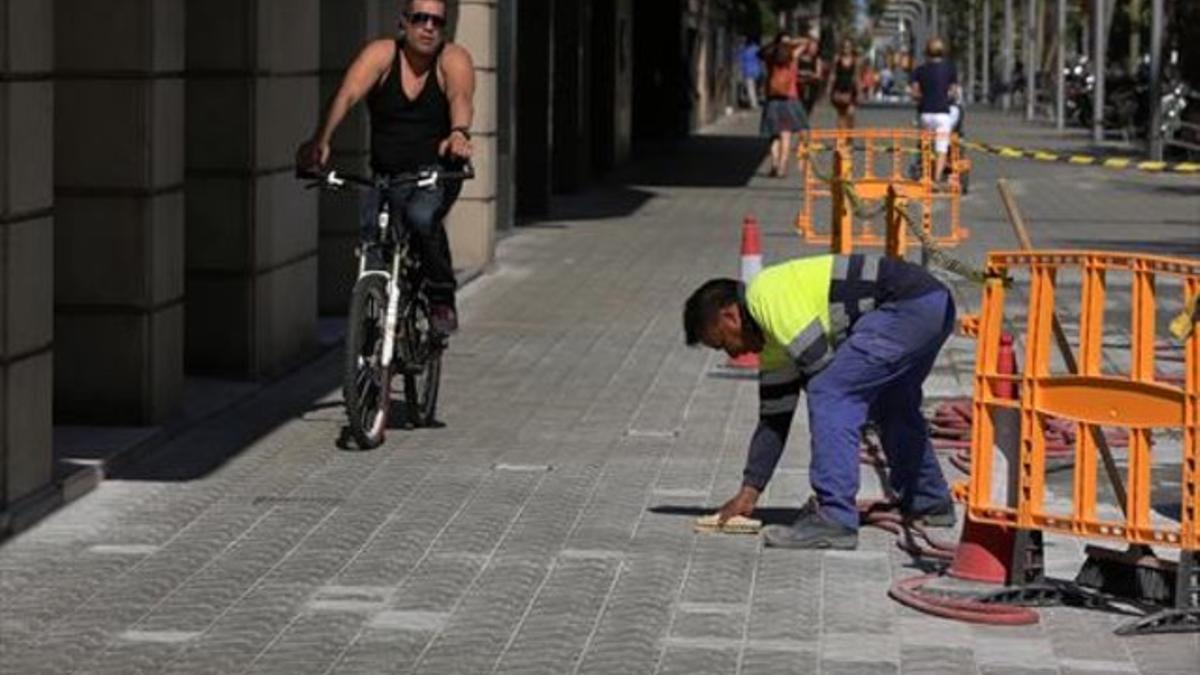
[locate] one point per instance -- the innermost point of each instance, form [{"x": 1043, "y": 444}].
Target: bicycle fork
[{"x": 393, "y": 292}]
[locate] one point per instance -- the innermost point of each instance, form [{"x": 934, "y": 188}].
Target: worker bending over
[{"x": 859, "y": 334}]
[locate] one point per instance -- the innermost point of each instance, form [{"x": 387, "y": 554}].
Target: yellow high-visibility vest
[{"x": 791, "y": 304}]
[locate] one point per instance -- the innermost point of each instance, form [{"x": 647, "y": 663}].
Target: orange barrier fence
[
  {"x": 885, "y": 165},
  {"x": 1009, "y": 438}
]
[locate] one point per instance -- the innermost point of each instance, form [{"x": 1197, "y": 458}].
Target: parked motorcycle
[{"x": 1181, "y": 119}]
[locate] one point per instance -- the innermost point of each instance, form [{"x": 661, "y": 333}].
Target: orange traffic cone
[
  {"x": 985, "y": 551},
  {"x": 751, "y": 266}
]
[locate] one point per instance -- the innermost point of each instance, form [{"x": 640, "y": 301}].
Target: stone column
[
  {"x": 535, "y": 77},
  {"x": 612, "y": 82},
  {"x": 252, "y": 87},
  {"x": 507, "y": 95},
  {"x": 572, "y": 36},
  {"x": 119, "y": 201},
  {"x": 26, "y": 248},
  {"x": 346, "y": 27},
  {"x": 471, "y": 224}
]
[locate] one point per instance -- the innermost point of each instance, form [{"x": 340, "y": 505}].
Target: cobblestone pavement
[{"x": 547, "y": 527}]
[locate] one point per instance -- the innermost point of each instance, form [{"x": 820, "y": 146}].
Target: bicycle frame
[
  {"x": 401, "y": 258},
  {"x": 393, "y": 277}
]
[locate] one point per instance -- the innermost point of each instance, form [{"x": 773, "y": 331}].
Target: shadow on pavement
[
  {"x": 699, "y": 161},
  {"x": 607, "y": 201},
  {"x": 768, "y": 515},
  {"x": 194, "y": 452},
  {"x": 730, "y": 373},
  {"x": 1181, "y": 190}
]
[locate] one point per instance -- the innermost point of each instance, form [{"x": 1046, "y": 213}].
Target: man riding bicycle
[{"x": 419, "y": 90}]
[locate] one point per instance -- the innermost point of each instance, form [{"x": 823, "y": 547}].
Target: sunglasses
[{"x": 425, "y": 18}]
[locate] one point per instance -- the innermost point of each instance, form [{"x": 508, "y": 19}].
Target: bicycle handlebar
[{"x": 428, "y": 178}]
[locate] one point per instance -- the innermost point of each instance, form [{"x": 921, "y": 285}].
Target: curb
[{"x": 1087, "y": 160}]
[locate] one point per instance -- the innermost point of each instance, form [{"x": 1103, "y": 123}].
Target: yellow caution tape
[
  {"x": 1087, "y": 160},
  {"x": 1185, "y": 322}
]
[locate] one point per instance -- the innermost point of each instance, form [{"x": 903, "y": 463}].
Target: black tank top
[
  {"x": 807, "y": 67},
  {"x": 843, "y": 76},
  {"x": 405, "y": 134}
]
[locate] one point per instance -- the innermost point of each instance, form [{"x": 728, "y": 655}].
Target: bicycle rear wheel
[
  {"x": 366, "y": 384},
  {"x": 421, "y": 391}
]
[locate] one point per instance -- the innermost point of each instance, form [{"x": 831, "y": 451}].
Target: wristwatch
[{"x": 462, "y": 130}]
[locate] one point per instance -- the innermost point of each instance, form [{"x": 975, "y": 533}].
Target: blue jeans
[
  {"x": 421, "y": 211},
  {"x": 877, "y": 373}
]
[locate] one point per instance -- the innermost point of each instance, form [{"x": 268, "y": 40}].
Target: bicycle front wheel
[{"x": 366, "y": 385}]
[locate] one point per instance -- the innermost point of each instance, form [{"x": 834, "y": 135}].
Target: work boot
[
  {"x": 811, "y": 530},
  {"x": 941, "y": 515},
  {"x": 444, "y": 319}
]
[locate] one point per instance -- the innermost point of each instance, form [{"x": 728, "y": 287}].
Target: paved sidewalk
[{"x": 547, "y": 527}]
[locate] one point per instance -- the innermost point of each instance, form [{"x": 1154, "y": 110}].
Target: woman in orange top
[{"x": 783, "y": 114}]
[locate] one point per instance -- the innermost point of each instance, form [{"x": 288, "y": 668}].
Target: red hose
[
  {"x": 911, "y": 537},
  {"x": 908, "y": 592}
]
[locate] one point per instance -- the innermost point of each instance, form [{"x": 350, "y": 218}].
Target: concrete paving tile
[
  {"x": 243, "y": 632},
  {"x": 685, "y": 661},
  {"x": 382, "y": 651},
  {"x": 854, "y": 647},
  {"x": 1012, "y": 652},
  {"x": 922, "y": 630},
  {"x": 481, "y": 625},
  {"x": 554, "y": 632},
  {"x": 1165, "y": 653},
  {"x": 308, "y": 567},
  {"x": 141, "y": 657},
  {"x": 310, "y": 644},
  {"x": 923, "y": 660},
  {"x": 782, "y": 662}
]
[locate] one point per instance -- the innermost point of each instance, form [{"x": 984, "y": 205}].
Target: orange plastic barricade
[
  {"x": 885, "y": 165},
  {"x": 1008, "y": 482}
]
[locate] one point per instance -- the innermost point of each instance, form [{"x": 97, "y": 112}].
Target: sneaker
[
  {"x": 811, "y": 531},
  {"x": 444, "y": 319},
  {"x": 941, "y": 515}
]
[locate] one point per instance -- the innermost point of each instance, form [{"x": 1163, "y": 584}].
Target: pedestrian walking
[
  {"x": 809, "y": 74},
  {"x": 783, "y": 115},
  {"x": 751, "y": 71},
  {"x": 935, "y": 88},
  {"x": 844, "y": 91},
  {"x": 859, "y": 334}
]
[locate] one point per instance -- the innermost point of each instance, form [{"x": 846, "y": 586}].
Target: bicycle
[{"x": 389, "y": 330}]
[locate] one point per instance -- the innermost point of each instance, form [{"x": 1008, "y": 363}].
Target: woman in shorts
[{"x": 783, "y": 115}]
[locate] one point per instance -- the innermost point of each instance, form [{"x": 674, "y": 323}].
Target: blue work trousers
[{"x": 877, "y": 373}]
